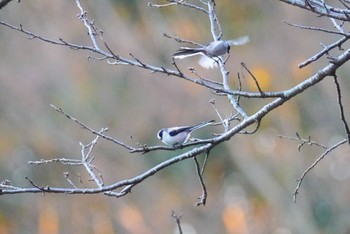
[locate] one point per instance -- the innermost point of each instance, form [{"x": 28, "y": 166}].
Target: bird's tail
[
  {"x": 198, "y": 126},
  {"x": 184, "y": 52}
]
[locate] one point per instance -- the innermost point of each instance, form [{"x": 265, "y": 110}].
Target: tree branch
[
  {"x": 203, "y": 198},
  {"x": 178, "y": 220},
  {"x": 300, "y": 180},
  {"x": 341, "y": 108},
  {"x": 320, "y": 8}
]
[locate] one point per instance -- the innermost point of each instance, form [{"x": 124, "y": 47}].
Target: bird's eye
[{"x": 228, "y": 49}]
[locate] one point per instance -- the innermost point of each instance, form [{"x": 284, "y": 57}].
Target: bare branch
[
  {"x": 42, "y": 189},
  {"x": 320, "y": 8},
  {"x": 87, "y": 159},
  {"x": 342, "y": 33},
  {"x": 344, "y": 4},
  {"x": 213, "y": 20},
  {"x": 177, "y": 219},
  {"x": 66, "y": 161},
  {"x": 254, "y": 78},
  {"x": 181, "y": 40},
  {"x": 325, "y": 50},
  {"x": 162, "y": 5},
  {"x": 337, "y": 26},
  {"x": 205, "y": 162},
  {"x": 203, "y": 198},
  {"x": 178, "y": 2},
  {"x": 8, "y": 185},
  {"x": 223, "y": 121},
  {"x": 300, "y": 180},
  {"x": 304, "y": 141},
  {"x": 84, "y": 126},
  {"x": 342, "y": 115},
  {"x": 89, "y": 25},
  {"x": 66, "y": 175}
]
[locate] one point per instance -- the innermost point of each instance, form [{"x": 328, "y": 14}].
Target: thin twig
[
  {"x": 225, "y": 123},
  {"x": 304, "y": 141},
  {"x": 89, "y": 25},
  {"x": 178, "y": 220},
  {"x": 337, "y": 26},
  {"x": 300, "y": 180},
  {"x": 175, "y": 65},
  {"x": 87, "y": 159},
  {"x": 84, "y": 126},
  {"x": 181, "y": 40},
  {"x": 250, "y": 132},
  {"x": 254, "y": 78},
  {"x": 201, "y": 199},
  {"x": 316, "y": 29},
  {"x": 205, "y": 161},
  {"x": 323, "y": 52},
  {"x": 66, "y": 161},
  {"x": 179, "y": 2},
  {"x": 66, "y": 175},
  {"x": 8, "y": 185},
  {"x": 320, "y": 8},
  {"x": 240, "y": 86},
  {"x": 36, "y": 186},
  {"x": 342, "y": 115},
  {"x": 162, "y": 5}
]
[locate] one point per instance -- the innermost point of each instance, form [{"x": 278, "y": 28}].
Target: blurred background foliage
[{"x": 250, "y": 179}]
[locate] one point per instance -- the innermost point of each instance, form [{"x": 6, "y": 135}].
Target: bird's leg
[
  {"x": 178, "y": 146},
  {"x": 216, "y": 60},
  {"x": 228, "y": 56}
]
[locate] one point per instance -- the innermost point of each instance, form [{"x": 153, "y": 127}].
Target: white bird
[
  {"x": 211, "y": 51},
  {"x": 179, "y": 135}
]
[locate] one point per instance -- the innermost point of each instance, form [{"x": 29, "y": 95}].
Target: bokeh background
[{"x": 250, "y": 179}]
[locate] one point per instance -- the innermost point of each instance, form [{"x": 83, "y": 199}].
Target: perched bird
[
  {"x": 179, "y": 135},
  {"x": 210, "y": 52}
]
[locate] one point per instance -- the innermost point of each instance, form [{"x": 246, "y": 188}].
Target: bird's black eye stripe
[
  {"x": 160, "y": 134},
  {"x": 228, "y": 49}
]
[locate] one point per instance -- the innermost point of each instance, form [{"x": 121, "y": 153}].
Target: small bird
[
  {"x": 179, "y": 135},
  {"x": 210, "y": 52}
]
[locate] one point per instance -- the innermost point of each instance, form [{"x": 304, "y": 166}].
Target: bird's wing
[
  {"x": 175, "y": 131},
  {"x": 208, "y": 63},
  {"x": 239, "y": 41}
]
